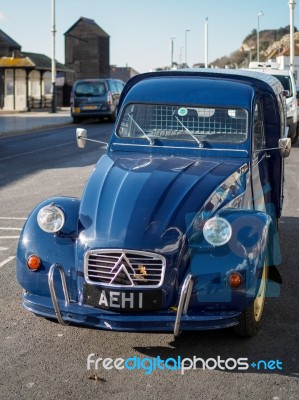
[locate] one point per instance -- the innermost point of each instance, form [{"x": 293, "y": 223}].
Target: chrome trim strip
[
  {"x": 53, "y": 293},
  {"x": 183, "y": 303},
  {"x": 177, "y": 147}
]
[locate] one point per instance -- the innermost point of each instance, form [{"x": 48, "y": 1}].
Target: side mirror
[
  {"x": 285, "y": 145},
  {"x": 81, "y": 136}
]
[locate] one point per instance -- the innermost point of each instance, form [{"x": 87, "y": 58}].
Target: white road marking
[
  {"x": 7, "y": 261},
  {"x": 13, "y": 218},
  {"x": 3, "y": 248},
  {"x": 9, "y": 237},
  {"x": 10, "y": 229}
]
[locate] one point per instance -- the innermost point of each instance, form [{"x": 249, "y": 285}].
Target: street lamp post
[
  {"x": 260, "y": 14},
  {"x": 171, "y": 50},
  {"x": 292, "y": 4},
  {"x": 53, "y": 78},
  {"x": 206, "y": 43},
  {"x": 186, "y": 62}
]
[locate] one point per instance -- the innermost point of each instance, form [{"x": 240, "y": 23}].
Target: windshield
[
  {"x": 183, "y": 123},
  {"x": 286, "y": 83},
  {"x": 90, "y": 89}
]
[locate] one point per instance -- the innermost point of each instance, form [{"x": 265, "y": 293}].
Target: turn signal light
[
  {"x": 33, "y": 262},
  {"x": 234, "y": 280}
]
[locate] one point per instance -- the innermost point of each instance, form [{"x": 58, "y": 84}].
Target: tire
[
  {"x": 295, "y": 138},
  {"x": 112, "y": 117},
  {"x": 250, "y": 320},
  {"x": 76, "y": 120}
]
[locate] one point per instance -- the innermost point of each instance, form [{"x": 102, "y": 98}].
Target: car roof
[{"x": 229, "y": 82}]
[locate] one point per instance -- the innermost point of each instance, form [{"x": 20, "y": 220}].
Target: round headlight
[
  {"x": 217, "y": 231},
  {"x": 50, "y": 219}
]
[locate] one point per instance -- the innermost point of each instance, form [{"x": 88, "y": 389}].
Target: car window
[
  {"x": 113, "y": 87},
  {"x": 120, "y": 86},
  {"x": 90, "y": 89},
  {"x": 179, "y": 122},
  {"x": 285, "y": 80},
  {"x": 258, "y": 128}
]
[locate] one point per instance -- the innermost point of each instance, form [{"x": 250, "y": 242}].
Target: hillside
[{"x": 270, "y": 40}]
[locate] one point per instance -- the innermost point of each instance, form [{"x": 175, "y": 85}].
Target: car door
[{"x": 261, "y": 188}]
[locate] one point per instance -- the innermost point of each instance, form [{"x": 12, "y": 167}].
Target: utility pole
[
  {"x": 171, "y": 51},
  {"x": 53, "y": 30},
  {"x": 260, "y": 14},
  {"x": 206, "y": 43},
  {"x": 292, "y": 4}
]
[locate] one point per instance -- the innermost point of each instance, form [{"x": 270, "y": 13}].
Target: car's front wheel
[{"x": 250, "y": 319}]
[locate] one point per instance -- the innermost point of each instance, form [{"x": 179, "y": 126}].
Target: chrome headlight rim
[
  {"x": 51, "y": 218},
  {"x": 211, "y": 225}
]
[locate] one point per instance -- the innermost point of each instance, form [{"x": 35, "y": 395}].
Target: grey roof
[
  {"x": 43, "y": 62},
  {"x": 4, "y": 38},
  {"x": 92, "y": 25}
]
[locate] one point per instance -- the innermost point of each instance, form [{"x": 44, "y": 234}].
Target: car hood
[{"x": 145, "y": 202}]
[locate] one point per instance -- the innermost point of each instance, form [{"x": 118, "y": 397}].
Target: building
[
  {"x": 7, "y": 46},
  {"x": 122, "y": 73},
  {"x": 86, "y": 51},
  {"x": 282, "y": 57},
  {"x": 27, "y": 81}
]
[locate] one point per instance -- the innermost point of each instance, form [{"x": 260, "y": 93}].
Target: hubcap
[{"x": 259, "y": 302}]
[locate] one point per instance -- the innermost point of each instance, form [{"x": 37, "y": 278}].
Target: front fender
[
  {"x": 245, "y": 253},
  {"x": 51, "y": 248}
]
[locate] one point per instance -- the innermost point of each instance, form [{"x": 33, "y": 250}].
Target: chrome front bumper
[{"x": 182, "y": 307}]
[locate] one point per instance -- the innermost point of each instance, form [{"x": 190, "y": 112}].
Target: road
[{"x": 41, "y": 359}]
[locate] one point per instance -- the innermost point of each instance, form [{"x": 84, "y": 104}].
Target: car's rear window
[
  {"x": 179, "y": 122},
  {"x": 90, "y": 89},
  {"x": 286, "y": 83}
]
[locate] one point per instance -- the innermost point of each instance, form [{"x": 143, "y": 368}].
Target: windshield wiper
[
  {"x": 151, "y": 141},
  {"x": 200, "y": 144}
]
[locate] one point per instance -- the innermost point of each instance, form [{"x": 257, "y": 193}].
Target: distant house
[
  {"x": 282, "y": 57},
  {"x": 86, "y": 51},
  {"x": 7, "y": 46},
  {"x": 27, "y": 81},
  {"x": 122, "y": 73}
]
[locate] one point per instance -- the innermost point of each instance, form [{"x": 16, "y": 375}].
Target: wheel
[
  {"x": 76, "y": 120},
  {"x": 295, "y": 138},
  {"x": 113, "y": 116},
  {"x": 251, "y": 318}
]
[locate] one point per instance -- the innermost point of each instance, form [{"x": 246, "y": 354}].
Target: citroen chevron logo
[{"x": 123, "y": 271}]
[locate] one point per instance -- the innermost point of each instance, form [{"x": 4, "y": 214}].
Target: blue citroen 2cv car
[{"x": 177, "y": 226}]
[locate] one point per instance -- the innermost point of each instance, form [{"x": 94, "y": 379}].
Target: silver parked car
[{"x": 95, "y": 98}]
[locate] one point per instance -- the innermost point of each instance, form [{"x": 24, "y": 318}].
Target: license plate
[
  {"x": 122, "y": 300},
  {"x": 89, "y": 107}
]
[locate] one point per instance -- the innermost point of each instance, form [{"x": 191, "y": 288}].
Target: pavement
[{"x": 13, "y": 123}]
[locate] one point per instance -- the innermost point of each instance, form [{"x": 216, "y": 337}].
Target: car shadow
[{"x": 277, "y": 339}]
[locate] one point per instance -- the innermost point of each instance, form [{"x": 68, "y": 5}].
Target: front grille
[{"x": 124, "y": 268}]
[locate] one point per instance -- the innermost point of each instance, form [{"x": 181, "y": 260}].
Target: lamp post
[
  {"x": 186, "y": 31},
  {"x": 53, "y": 69},
  {"x": 206, "y": 43},
  {"x": 260, "y": 14},
  {"x": 171, "y": 50},
  {"x": 292, "y": 4}
]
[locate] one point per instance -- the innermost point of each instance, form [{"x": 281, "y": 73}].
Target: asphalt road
[{"x": 40, "y": 359}]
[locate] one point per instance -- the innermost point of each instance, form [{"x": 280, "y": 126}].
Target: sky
[{"x": 141, "y": 31}]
